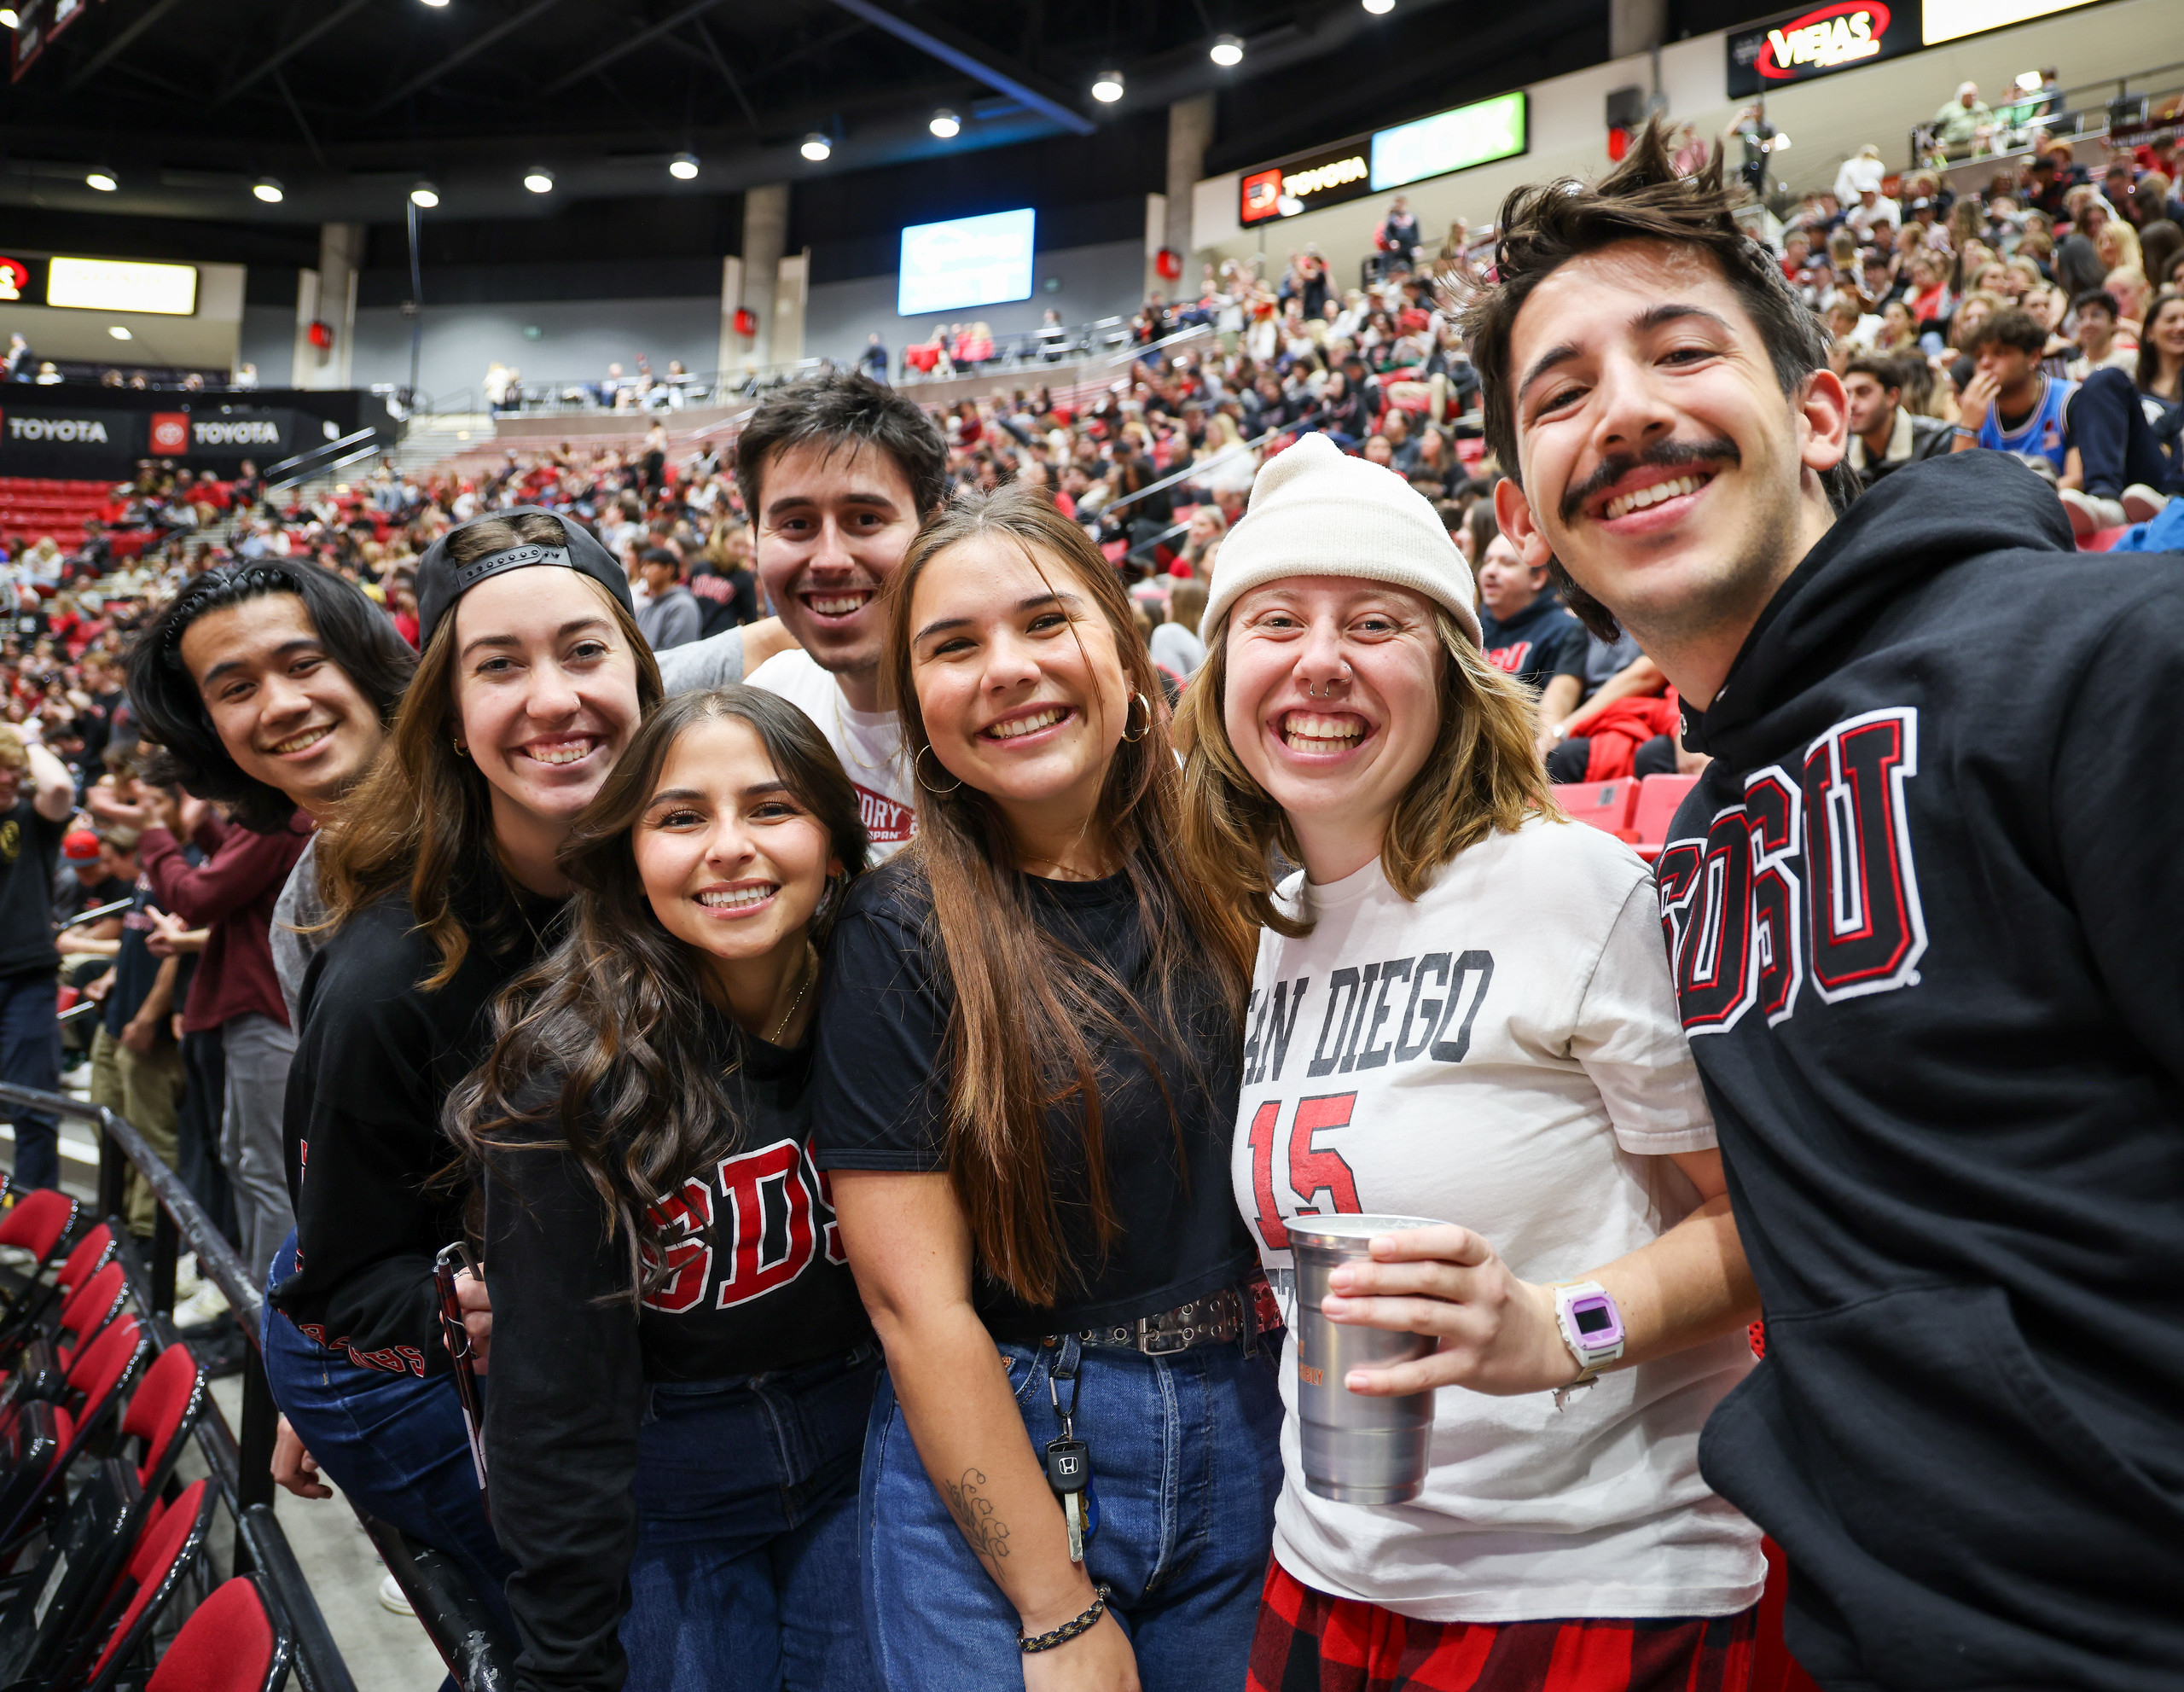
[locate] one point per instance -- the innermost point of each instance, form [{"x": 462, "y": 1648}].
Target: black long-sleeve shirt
[
  {"x": 376, "y": 1056},
  {"x": 761, "y": 1284}
]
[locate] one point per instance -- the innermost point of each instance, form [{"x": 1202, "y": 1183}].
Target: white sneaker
[
  {"x": 207, "y": 1304},
  {"x": 2142, "y": 505},
  {"x": 14, "y": 1257},
  {"x": 393, "y": 1597},
  {"x": 2090, "y": 512},
  {"x": 187, "y": 1280}
]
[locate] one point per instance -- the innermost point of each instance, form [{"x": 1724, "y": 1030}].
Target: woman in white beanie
[{"x": 1462, "y": 1009}]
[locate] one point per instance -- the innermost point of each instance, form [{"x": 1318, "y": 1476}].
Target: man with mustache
[{"x": 1909, "y": 907}]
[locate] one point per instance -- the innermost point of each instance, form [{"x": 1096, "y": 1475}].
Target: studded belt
[{"x": 1215, "y": 1318}]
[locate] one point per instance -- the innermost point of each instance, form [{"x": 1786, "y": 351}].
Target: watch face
[{"x": 1598, "y": 1325}]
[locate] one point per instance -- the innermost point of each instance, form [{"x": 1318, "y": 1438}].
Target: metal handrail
[
  {"x": 287, "y": 472},
  {"x": 1195, "y": 468}
]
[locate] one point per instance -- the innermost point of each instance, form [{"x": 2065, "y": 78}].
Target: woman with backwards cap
[
  {"x": 1462, "y": 1009},
  {"x": 440, "y": 883}
]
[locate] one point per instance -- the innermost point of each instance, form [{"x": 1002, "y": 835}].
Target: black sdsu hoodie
[{"x": 1926, "y": 909}]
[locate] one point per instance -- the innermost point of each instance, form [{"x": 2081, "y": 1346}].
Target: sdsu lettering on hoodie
[{"x": 1924, "y": 911}]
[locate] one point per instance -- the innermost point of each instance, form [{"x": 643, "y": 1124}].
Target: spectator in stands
[
  {"x": 2011, "y": 405},
  {"x": 670, "y": 615},
  {"x": 1043, "y": 927},
  {"x": 136, "y": 1038},
  {"x": 2125, "y": 428},
  {"x": 1872, "y": 211},
  {"x": 1398, "y": 236},
  {"x": 874, "y": 359},
  {"x": 439, "y": 884},
  {"x": 837, "y": 474},
  {"x": 1964, "y": 120},
  {"x": 2097, "y": 313},
  {"x": 22, "y": 361},
  {"x": 1885, "y": 436},
  {"x": 710, "y": 1533},
  {"x": 1940, "y": 673},
  {"x": 1861, "y": 171},
  {"x": 1175, "y": 645},
  {"x": 1523, "y": 631},
  {"x": 32, "y": 824}
]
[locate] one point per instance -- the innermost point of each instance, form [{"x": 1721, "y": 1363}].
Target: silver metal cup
[{"x": 1356, "y": 1450}]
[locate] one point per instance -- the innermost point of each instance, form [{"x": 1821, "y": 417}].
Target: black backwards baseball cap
[{"x": 441, "y": 581}]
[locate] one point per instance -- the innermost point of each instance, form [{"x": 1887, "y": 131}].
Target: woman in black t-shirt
[
  {"x": 681, "y": 1369},
  {"x": 1028, "y": 1038}
]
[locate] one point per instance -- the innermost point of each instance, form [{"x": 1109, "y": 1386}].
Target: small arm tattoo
[{"x": 987, "y": 1533}]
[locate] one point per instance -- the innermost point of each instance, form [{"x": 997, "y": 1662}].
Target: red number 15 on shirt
[{"x": 1311, "y": 1171}]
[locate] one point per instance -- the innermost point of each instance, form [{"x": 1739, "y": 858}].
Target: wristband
[
  {"x": 1963, "y": 433},
  {"x": 1032, "y": 1644}
]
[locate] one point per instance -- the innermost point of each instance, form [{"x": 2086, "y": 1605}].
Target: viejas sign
[{"x": 1799, "y": 46}]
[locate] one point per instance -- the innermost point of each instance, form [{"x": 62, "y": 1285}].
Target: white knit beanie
[{"x": 1315, "y": 511}]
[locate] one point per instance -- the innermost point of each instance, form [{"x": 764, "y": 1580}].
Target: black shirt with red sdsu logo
[
  {"x": 1540, "y": 642},
  {"x": 760, "y": 1285},
  {"x": 1924, "y": 912}
]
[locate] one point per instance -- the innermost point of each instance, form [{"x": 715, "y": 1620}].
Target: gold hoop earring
[
  {"x": 1138, "y": 699},
  {"x": 461, "y": 750},
  {"x": 917, "y": 768}
]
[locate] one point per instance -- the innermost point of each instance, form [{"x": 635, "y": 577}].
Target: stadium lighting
[
  {"x": 268, "y": 190},
  {"x": 1107, "y": 87},
  {"x": 424, "y": 196},
  {"x": 538, "y": 179},
  {"x": 120, "y": 333},
  {"x": 8, "y": 18},
  {"x": 102, "y": 180},
  {"x": 946, "y": 124},
  {"x": 816, "y": 148},
  {"x": 1227, "y": 51},
  {"x": 683, "y": 167},
  {"x": 1379, "y": 9},
  {"x": 436, "y": 4}
]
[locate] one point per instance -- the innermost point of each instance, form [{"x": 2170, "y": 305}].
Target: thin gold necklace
[{"x": 810, "y": 969}]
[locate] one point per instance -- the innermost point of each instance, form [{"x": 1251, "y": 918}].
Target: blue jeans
[
  {"x": 1185, "y": 1462},
  {"x": 394, "y": 1443},
  {"x": 747, "y": 1532},
  {"x": 30, "y": 1056}
]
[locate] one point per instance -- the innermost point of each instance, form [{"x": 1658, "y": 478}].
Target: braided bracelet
[{"x": 1068, "y": 1629}]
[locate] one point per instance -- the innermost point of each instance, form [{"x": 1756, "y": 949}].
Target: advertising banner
[
  {"x": 67, "y": 440},
  {"x": 1800, "y": 46}
]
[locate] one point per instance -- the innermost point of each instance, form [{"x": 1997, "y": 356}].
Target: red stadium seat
[
  {"x": 229, "y": 1644},
  {"x": 162, "y": 1557},
  {"x": 37, "y": 1222},
  {"x": 1658, "y": 799},
  {"x": 1604, "y": 805},
  {"x": 166, "y": 1406}
]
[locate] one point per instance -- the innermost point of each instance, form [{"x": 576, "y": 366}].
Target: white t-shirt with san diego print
[
  {"x": 869, "y": 743},
  {"x": 1503, "y": 1053}
]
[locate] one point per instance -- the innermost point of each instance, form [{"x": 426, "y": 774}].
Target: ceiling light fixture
[
  {"x": 436, "y": 4},
  {"x": 946, "y": 124},
  {"x": 8, "y": 18},
  {"x": 538, "y": 179},
  {"x": 1227, "y": 51},
  {"x": 1107, "y": 87},
  {"x": 683, "y": 167},
  {"x": 425, "y": 196},
  {"x": 268, "y": 190},
  {"x": 102, "y": 180},
  {"x": 816, "y": 148},
  {"x": 120, "y": 333},
  {"x": 1379, "y": 9}
]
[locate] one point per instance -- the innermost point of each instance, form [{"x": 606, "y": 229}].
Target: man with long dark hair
[
  {"x": 1909, "y": 907},
  {"x": 268, "y": 684}
]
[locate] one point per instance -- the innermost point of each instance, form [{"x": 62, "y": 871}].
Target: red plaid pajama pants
[{"x": 1308, "y": 1642}]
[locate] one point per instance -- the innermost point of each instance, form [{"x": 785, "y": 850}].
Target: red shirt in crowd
[{"x": 231, "y": 893}]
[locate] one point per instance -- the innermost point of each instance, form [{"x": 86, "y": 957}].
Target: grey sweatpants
[{"x": 258, "y": 1050}]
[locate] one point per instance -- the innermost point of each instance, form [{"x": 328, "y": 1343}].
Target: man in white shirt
[{"x": 837, "y": 475}]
